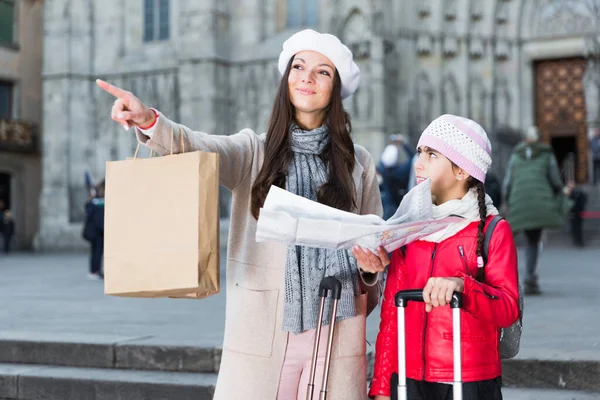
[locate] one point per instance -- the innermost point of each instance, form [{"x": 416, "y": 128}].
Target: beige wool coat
[{"x": 255, "y": 344}]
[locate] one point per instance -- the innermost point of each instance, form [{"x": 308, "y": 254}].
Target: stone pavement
[{"x": 46, "y": 297}]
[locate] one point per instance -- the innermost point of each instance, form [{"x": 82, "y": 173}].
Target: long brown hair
[{"x": 338, "y": 191}]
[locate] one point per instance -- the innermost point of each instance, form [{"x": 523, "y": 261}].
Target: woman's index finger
[{"x": 115, "y": 91}]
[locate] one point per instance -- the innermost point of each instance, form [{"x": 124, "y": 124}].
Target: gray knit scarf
[{"x": 306, "y": 266}]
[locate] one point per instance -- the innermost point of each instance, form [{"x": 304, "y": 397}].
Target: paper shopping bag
[{"x": 162, "y": 226}]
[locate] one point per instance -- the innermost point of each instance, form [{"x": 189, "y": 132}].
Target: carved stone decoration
[
  {"x": 424, "y": 44},
  {"x": 564, "y": 17},
  {"x": 355, "y": 27},
  {"x": 361, "y": 50},
  {"x": 450, "y": 10},
  {"x": 378, "y": 22},
  {"x": 502, "y": 13},
  {"x": 450, "y": 95},
  {"x": 476, "y": 10},
  {"x": 362, "y": 99},
  {"x": 478, "y": 101},
  {"x": 450, "y": 40},
  {"x": 424, "y": 8},
  {"x": 450, "y": 46},
  {"x": 476, "y": 48},
  {"x": 502, "y": 52},
  {"x": 503, "y": 103},
  {"x": 355, "y": 33},
  {"x": 424, "y": 95}
]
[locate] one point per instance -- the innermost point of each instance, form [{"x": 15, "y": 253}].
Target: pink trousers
[{"x": 296, "y": 365}]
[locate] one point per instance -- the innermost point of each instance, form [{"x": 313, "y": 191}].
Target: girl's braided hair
[{"x": 480, "y": 188}]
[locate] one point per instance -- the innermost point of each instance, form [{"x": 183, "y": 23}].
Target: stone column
[
  {"x": 591, "y": 86},
  {"x": 67, "y": 122},
  {"x": 204, "y": 70}
]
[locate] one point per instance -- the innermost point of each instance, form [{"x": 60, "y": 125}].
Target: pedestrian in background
[
  {"x": 595, "y": 147},
  {"x": 535, "y": 198},
  {"x": 93, "y": 230},
  {"x": 8, "y": 230},
  {"x": 394, "y": 169}
]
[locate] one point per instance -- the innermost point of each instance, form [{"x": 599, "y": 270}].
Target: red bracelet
[{"x": 153, "y": 122}]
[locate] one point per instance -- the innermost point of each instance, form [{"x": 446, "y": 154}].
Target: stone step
[
  {"x": 547, "y": 394},
  {"x": 105, "y": 351},
  {"x": 35, "y": 382},
  {"x": 557, "y": 374},
  {"x": 148, "y": 354}
]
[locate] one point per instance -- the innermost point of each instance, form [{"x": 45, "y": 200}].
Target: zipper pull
[
  {"x": 434, "y": 251},
  {"x": 461, "y": 251}
]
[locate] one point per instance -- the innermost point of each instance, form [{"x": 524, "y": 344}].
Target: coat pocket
[
  {"x": 351, "y": 334},
  {"x": 250, "y": 320}
]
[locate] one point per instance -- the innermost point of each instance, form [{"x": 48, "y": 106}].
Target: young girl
[
  {"x": 455, "y": 154},
  {"x": 272, "y": 290}
]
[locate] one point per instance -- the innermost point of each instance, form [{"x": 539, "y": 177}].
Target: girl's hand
[
  {"x": 127, "y": 110},
  {"x": 438, "y": 291},
  {"x": 382, "y": 397},
  {"x": 369, "y": 262}
]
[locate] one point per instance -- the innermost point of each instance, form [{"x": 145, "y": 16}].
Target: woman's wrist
[{"x": 149, "y": 123}]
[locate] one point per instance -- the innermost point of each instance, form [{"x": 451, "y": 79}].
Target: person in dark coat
[
  {"x": 533, "y": 190},
  {"x": 579, "y": 198},
  {"x": 8, "y": 230},
  {"x": 394, "y": 169},
  {"x": 595, "y": 147},
  {"x": 93, "y": 231},
  {"x": 493, "y": 187}
]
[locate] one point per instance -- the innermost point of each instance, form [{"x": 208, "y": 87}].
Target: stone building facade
[
  {"x": 211, "y": 65},
  {"x": 21, "y": 114}
]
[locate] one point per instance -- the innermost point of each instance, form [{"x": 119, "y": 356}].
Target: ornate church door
[{"x": 560, "y": 111}]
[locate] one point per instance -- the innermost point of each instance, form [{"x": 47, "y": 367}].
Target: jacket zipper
[
  {"x": 490, "y": 296},
  {"x": 461, "y": 251},
  {"x": 426, "y": 316}
]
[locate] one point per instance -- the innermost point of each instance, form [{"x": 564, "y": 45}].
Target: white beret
[{"x": 331, "y": 47}]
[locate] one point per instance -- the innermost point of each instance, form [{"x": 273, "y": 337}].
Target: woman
[
  {"x": 534, "y": 193},
  {"x": 272, "y": 298}
]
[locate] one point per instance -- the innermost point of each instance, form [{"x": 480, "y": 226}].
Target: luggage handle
[
  {"x": 328, "y": 285},
  {"x": 404, "y": 296},
  {"x": 401, "y": 300}
]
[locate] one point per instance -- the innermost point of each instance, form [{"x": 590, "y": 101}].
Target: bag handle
[{"x": 152, "y": 152}]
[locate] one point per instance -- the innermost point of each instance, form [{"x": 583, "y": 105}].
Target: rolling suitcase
[
  {"x": 328, "y": 285},
  {"x": 401, "y": 300}
]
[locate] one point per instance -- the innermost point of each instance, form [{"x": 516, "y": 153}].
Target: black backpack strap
[{"x": 488, "y": 237}]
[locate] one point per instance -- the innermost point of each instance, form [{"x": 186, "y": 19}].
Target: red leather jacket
[{"x": 486, "y": 308}]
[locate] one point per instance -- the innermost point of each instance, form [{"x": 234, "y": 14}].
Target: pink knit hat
[{"x": 462, "y": 141}]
